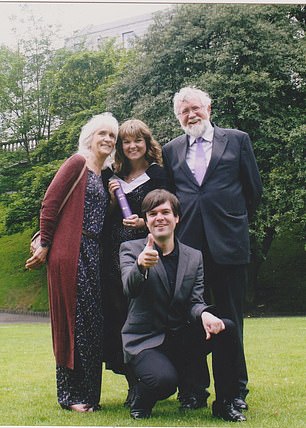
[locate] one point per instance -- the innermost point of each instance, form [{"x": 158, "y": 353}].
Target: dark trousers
[
  {"x": 160, "y": 371},
  {"x": 225, "y": 286}
]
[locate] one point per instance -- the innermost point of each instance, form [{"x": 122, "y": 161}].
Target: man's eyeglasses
[{"x": 194, "y": 109}]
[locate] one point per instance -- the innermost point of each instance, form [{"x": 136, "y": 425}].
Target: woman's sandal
[{"x": 82, "y": 408}]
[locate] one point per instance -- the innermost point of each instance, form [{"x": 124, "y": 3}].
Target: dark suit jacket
[
  {"x": 152, "y": 310},
  {"x": 228, "y": 196}
]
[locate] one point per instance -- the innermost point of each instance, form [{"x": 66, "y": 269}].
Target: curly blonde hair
[{"x": 135, "y": 128}]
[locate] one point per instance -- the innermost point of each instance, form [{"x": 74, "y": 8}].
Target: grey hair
[
  {"x": 185, "y": 94},
  {"x": 96, "y": 122}
]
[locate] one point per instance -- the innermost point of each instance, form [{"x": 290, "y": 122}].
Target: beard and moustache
[{"x": 196, "y": 130}]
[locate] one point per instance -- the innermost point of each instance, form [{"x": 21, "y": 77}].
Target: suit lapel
[
  {"x": 181, "y": 148},
  {"x": 219, "y": 144},
  {"x": 161, "y": 272},
  {"x": 181, "y": 269}
]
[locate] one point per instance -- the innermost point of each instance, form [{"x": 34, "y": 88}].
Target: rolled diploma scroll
[{"x": 123, "y": 203}]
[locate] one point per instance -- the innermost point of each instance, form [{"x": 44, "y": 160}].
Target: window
[{"x": 128, "y": 38}]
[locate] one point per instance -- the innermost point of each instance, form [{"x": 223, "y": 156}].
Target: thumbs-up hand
[
  {"x": 150, "y": 243},
  {"x": 148, "y": 257}
]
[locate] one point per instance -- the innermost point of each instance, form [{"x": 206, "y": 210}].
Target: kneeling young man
[{"x": 168, "y": 321}]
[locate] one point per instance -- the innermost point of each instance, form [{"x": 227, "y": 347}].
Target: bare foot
[{"x": 80, "y": 407}]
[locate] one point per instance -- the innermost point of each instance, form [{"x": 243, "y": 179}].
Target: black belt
[{"x": 94, "y": 236}]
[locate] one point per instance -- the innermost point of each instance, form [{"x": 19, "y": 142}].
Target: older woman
[
  {"x": 138, "y": 169},
  {"x": 71, "y": 239}
]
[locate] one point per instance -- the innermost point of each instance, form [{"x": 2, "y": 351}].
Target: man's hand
[
  {"x": 148, "y": 257},
  {"x": 211, "y": 324}
]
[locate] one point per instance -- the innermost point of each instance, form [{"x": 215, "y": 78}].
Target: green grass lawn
[
  {"x": 281, "y": 279},
  {"x": 275, "y": 349},
  {"x": 20, "y": 289}
]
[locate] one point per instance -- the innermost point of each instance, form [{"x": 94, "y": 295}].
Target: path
[{"x": 10, "y": 317}]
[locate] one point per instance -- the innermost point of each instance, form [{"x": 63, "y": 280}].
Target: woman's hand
[
  {"x": 113, "y": 185},
  {"x": 38, "y": 258},
  {"x": 134, "y": 222}
]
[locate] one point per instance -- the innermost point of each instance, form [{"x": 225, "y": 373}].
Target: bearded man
[{"x": 214, "y": 174}]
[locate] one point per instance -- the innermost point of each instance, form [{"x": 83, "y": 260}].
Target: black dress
[
  {"x": 153, "y": 178},
  {"x": 83, "y": 383}
]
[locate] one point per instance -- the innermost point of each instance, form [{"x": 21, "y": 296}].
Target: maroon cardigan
[{"x": 63, "y": 231}]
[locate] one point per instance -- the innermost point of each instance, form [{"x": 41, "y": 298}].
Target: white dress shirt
[{"x": 207, "y": 146}]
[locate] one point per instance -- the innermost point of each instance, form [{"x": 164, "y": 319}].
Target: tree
[
  {"x": 81, "y": 83},
  {"x": 251, "y": 59},
  {"x": 25, "y": 204},
  {"x": 74, "y": 100},
  {"x": 25, "y": 86},
  {"x": 12, "y": 165}
]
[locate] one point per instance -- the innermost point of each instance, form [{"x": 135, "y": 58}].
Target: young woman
[{"x": 138, "y": 169}]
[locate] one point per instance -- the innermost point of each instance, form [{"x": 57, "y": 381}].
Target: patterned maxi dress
[
  {"x": 83, "y": 383},
  {"x": 153, "y": 178}
]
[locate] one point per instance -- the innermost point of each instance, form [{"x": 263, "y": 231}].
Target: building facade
[{"x": 124, "y": 31}]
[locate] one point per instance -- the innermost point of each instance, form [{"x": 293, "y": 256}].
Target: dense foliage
[
  {"x": 25, "y": 174},
  {"x": 250, "y": 58}
]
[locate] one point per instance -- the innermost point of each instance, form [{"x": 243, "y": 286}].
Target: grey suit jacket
[
  {"x": 152, "y": 310},
  {"x": 227, "y": 197}
]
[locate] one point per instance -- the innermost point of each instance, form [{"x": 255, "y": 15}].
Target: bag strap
[{"x": 72, "y": 188}]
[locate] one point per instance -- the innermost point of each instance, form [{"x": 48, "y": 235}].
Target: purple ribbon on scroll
[{"x": 123, "y": 203}]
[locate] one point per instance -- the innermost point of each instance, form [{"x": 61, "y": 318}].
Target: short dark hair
[{"x": 157, "y": 197}]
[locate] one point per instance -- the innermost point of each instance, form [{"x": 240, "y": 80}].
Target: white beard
[{"x": 196, "y": 130}]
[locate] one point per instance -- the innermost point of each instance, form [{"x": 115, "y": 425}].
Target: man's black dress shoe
[
  {"x": 130, "y": 397},
  {"x": 240, "y": 404},
  {"x": 140, "y": 413},
  {"x": 141, "y": 403},
  {"x": 192, "y": 401},
  {"x": 226, "y": 410}
]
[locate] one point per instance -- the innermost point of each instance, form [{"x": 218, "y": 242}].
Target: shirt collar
[{"x": 208, "y": 135}]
